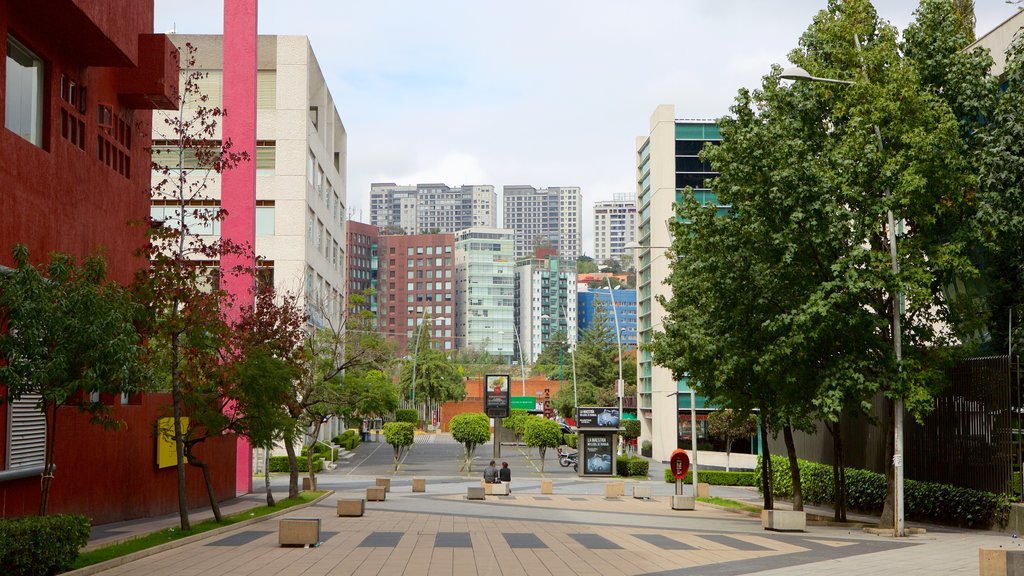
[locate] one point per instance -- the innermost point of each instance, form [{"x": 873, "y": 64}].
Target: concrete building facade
[
  {"x": 432, "y": 208},
  {"x": 545, "y": 217},
  {"x": 666, "y": 163},
  {"x": 485, "y": 291},
  {"x": 545, "y": 302},
  {"x": 416, "y": 282},
  {"x": 614, "y": 226}
]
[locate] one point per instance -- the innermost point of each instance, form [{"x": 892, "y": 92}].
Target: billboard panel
[
  {"x": 496, "y": 395},
  {"x": 591, "y": 417}
]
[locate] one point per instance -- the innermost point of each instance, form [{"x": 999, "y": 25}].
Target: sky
[{"x": 537, "y": 92}]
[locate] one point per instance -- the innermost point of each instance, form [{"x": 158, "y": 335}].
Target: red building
[
  {"x": 78, "y": 82},
  {"x": 416, "y": 280},
  {"x": 361, "y": 261}
]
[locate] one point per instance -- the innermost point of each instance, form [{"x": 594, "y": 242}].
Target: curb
[{"x": 122, "y": 560}]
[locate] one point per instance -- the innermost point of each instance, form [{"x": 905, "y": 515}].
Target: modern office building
[
  {"x": 485, "y": 291},
  {"x": 361, "y": 264},
  {"x": 666, "y": 163},
  {"x": 614, "y": 226},
  {"x": 619, "y": 307},
  {"x": 78, "y": 85},
  {"x": 416, "y": 283},
  {"x": 998, "y": 41},
  {"x": 545, "y": 301},
  {"x": 432, "y": 208},
  {"x": 300, "y": 169},
  {"x": 546, "y": 217}
]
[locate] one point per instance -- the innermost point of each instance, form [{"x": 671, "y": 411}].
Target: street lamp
[
  {"x": 798, "y": 73},
  {"x": 572, "y": 354},
  {"x": 519, "y": 344},
  {"x": 619, "y": 385}
]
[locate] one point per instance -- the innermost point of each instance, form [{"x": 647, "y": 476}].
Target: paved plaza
[{"x": 575, "y": 531}]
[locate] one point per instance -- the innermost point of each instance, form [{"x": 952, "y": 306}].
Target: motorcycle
[{"x": 567, "y": 458}]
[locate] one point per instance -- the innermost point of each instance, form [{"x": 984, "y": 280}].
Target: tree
[
  {"x": 400, "y": 436},
  {"x": 585, "y": 265},
  {"x": 180, "y": 289},
  {"x": 630, "y": 429},
  {"x": 516, "y": 422},
  {"x": 729, "y": 425},
  {"x": 69, "y": 338},
  {"x": 543, "y": 434},
  {"x": 552, "y": 360},
  {"x": 437, "y": 378},
  {"x": 793, "y": 291},
  {"x": 470, "y": 429}
]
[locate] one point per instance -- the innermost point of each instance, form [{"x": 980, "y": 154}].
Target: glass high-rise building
[{"x": 484, "y": 291}]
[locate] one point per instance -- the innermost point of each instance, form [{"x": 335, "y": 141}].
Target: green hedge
[
  {"x": 409, "y": 415},
  {"x": 632, "y": 466},
  {"x": 348, "y": 439},
  {"x": 716, "y": 478},
  {"x": 41, "y": 544},
  {"x": 571, "y": 440},
  {"x": 321, "y": 451},
  {"x": 866, "y": 490},
  {"x": 280, "y": 464}
]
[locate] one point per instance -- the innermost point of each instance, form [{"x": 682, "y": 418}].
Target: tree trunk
[
  {"x": 309, "y": 455},
  {"x": 728, "y": 451},
  {"x": 50, "y": 413},
  {"x": 766, "y": 466},
  {"x": 266, "y": 480},
  {"x": 542, "y": 450},
  {"x": 179, "y": 446},
  {"x": 838, "y": 473},
  {"x": 398, "y": 456},
  {"x": 794, "y": 468},
  {"x": 209, "y": 485},
  {"x": 888, "y": 509},
  {"x": 293, "y": 465},
  {"x": 467, "y": 462}
]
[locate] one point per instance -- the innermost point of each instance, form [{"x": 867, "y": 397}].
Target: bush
[
  {"x": 41, "y": 544},
  {"x": 571, "y": 440},
  {"x": 717, "y": 477},
  {"x": 280, "y": 464},
  {"x": 632, "y": 466},
  {"x": 348, "y": 439},
  {"x": 516, "y": 421},
  {"x": 409, "y": 415},
  {"x": 866, "y": 490},
  {"x": 630, "y": 429}
]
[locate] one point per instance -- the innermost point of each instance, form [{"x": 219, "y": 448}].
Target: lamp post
[
  {"x": 416, "y": 353},
  {"x": 572, "y": 354},
  {"x": 519, "y": 344},
  {"x": 619, "y": 385},
  {"x": 800, "y": 74}
]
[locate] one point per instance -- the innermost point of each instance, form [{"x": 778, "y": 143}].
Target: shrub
[
  {"x": 717, "y": 477},
  {"x": 516, "y": 421},
  {"x": 409, "y": 415},
  {"x": 571, "y": 440},
  {"x": 280, "y": 464},
  {"x": 630, "y": 429},
  {"x": 866, "y": 491},
  {"x": 543, "y": 434},
  {"x": 41, "y": 544},
  {"x": 632, "y": 466}
]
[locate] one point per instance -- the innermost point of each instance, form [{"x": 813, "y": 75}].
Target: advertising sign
[
  {"x": 589, "y": 417},
  {"x": 597, "y": 454},
  {"x": 496, "y": 395},
  {"x": 679, "y": 463}
]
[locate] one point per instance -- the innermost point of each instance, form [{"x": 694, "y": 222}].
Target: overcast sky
[{"x": 545, "y": 93}]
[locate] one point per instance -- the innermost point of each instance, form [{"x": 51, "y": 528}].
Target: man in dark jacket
[{"x": 490, "y": 473}]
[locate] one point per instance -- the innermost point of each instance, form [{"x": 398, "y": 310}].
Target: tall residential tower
[
  {"x": 545, "y": 217},
  {"x": 432, "y": 208},
  {"x": 614, "y": 227}
]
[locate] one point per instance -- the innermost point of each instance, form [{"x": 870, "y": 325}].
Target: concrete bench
[
  {"x": 614, "y": 489},
  {"x": 642, "y": 492},
  {"x": 500, "y": 489},
  {"x": 703, "y": 490},
  {"x": 306, "y": 486},
  {"x": 376, "y": 493},
  {"x": 475, "y": 493},
  {"x": 419, "y": 484},
  {"x": 351, "y": 506},
  {"x": 298, "y": 532},
  {"x": 547, "y": 487},
  {"x": 784, "y": 520},
  {"x": 385, "y": 483},
  {"x": 1000, "y": 562}
]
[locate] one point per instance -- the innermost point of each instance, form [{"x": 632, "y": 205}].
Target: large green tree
[
  {"x": 437, "y": 377},
  {"x": 68, "y": 338}
]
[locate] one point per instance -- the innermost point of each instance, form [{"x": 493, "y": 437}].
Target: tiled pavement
[{"x": 565, "y": 533}]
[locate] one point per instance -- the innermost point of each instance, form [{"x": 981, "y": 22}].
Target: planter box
[
  {"x": 306, "y": 486},
  {"x": 419, "y": 484},
  {"x": 784, "y": 520},
  {"x": 547, "y": 487},
  {"x": 487, "y": 487},
  {"x": 385, "y": 482},
  {"x": 376, "y": 494},
  {"x": 683, "y": 502},
  {"x": 298, "y": 532},
  {"x": 1000, "y": 561},
  {"x": 475, "y": 493},
  {"x": 500, "y": 489},
  {"x": 703, "y": 490},
  {"x": 646, "y": 452},
  {"x": 614, "y": 489},
  {"x": 351, "y": 506},
  {"x": 642, "y": 492}
]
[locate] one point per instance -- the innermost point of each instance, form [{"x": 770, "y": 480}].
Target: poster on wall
[
  {"x": 590, "y": 417},
  {"x": 597, "y": 454},
  {"x": 496, "y": 395}
]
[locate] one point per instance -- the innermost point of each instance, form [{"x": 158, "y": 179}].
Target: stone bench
[
  {"x": 298, "y": 532},
  {"x": 385, "y": 483},
  {"x": 351, "y": 506},
  {"x": 1000, "y": 562},
  {"x": 306, "y": 486},
  {"x": 784, "y": 520},
  {"x": 547, "y": 487},
  {"x": 376, "y": 493},
  {"x": 419, "y": 484},
  {"x": 614, "y": 489},
  {"x": 500, "y": 489},
  {"x": 642, "y": 492},
  {"x": 475, "y": 493}
]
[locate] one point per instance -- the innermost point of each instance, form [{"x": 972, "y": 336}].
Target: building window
[
  {"x": 265, "y": 213},
  {"x": 23, "y": 107}
]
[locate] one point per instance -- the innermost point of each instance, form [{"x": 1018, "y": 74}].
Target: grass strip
[
  {"x": 727, "y": 503},
  {"x": 171, "y": 534}
]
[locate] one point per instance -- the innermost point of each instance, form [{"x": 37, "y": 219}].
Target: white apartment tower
[
  {"x": 614, "y": 226},
  {"x": 551, "y": 217},
  {"x": 545, "y": 303},
  {"x": 300, "y": 168},
  {"x": 485, "y": 291},
  {"x": 432, "y": 208}
]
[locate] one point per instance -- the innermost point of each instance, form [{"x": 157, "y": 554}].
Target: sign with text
[
  {"x": 597, "y": 454},
  {"x": 589, "y": 417},
  {"x": 496, "y": 395}
]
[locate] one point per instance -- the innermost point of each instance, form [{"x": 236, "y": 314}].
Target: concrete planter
[
  {"x": 419, "y": 484},
  {"x": 385, "y": 483},
  {"x": 351, "y": 506},
  {"x": 642, "y": 492},
  {"x": 375, "y": 494},
  {"x": 683, "y": 502},
  {"x": 547, "y": 487},
  {"x": 784, "y": 520},
  {"x": 299, "y": 532}
]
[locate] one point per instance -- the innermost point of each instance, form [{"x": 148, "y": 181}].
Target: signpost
[{"x": 496, "y": 403}]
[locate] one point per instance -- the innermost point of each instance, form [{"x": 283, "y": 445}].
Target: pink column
[{"x": 238, "y": 185}]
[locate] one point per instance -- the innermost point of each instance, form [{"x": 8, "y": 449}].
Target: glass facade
[{"x": 485, "y": 278}]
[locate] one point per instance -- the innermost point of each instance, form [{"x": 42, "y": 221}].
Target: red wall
[{"x": 474, "y": 401}]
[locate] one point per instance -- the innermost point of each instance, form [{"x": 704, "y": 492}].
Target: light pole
[
  {"x": 798, "y": 73},
  {"x": 619, "y": 385},
  {"x": 519, "y": 344},
  {"x": 572, "y": 353},
  {"x": 416, "y": 353}
]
